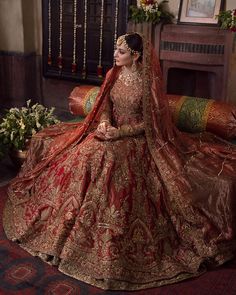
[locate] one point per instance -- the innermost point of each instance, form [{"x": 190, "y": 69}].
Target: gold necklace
[{"x": 129, "y": 77}]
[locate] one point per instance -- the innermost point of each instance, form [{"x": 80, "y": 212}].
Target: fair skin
[{"x": 123, "y": 58}]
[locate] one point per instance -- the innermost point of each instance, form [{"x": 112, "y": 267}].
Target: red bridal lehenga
[{"x": 154, "y": 207}]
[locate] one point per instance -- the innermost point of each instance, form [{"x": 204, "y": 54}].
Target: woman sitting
[{"x": 125, "y": 200}]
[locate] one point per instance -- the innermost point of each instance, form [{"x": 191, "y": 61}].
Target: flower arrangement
[
  {"x": 19, "y": 124},
  {"x": 150, "y": 11},
  {"x": 227, "y": 19}
]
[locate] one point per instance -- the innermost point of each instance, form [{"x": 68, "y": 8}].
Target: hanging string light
[
  {"x": 99, "y": 67},
  {"x": 59, "y": 61},
  {"x": 49, "y": 34},
  {"x": 116, "y": 22},
  {"x": 85, "y": 39},
  {"x": 74, "y": 64}
]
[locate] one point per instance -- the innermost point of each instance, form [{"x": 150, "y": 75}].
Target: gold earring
[{"x": 134, "y": 66}]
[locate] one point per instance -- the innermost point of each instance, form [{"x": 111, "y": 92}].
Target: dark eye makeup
[{"x": 121, "y": 51}]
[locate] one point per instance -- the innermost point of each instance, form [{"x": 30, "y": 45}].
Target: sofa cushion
[
  {"x": 190, "y": 114},
  {"x": 194, "y": 114},
  {"x": 82, "y": 98}
]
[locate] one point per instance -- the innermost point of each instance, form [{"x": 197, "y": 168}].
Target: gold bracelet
[
  {"x": 125, "y": 130},
  {"x": 105, "y": 121}
]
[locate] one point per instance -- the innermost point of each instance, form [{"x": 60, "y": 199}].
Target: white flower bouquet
[
  {"x": 19, "y": 124},
  {"x": 150, "y": 11},
  {"x": 227, "y": 19}
]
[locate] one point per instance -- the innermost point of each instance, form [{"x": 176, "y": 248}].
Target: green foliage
[
  {"x": 19, "y": 124},
  {"x": 227, "y": 19},
  {"x": 155, "y": 15}
]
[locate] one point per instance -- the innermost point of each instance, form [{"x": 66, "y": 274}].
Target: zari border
[
  {"x": 90, "y": 97},
  {"x": 7, "y": 220},
  {"x": 109, "y": 284},
  {"x": 206, "y": 112},
  {"x": 178, "y": 107}
]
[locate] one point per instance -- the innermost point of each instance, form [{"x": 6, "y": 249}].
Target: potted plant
[
  {"x": 19, "y": 124},
  {"x": 227, "y": 19},
  {"x": 151, "y": 11}
]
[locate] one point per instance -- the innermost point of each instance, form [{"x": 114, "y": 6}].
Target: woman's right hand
[
  {"x": 101, "y": 130},
  {"x": 112, "y": 133},
  {"x": 102, "y": 127},
  {"x": 107, "y": 132}
]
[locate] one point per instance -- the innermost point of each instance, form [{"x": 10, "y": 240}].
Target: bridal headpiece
[{"x": 122, "y": 40}]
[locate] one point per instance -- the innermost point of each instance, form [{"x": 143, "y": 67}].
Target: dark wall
[
  {"x": 17, "y": 78},
  {"x": 21, "y": 79}
]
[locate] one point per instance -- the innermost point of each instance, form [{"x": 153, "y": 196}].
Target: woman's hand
[
  {"x": 101, "y": 130},
  {"x": 106, "y": 132},
  {"x": 112, "y": 133},
  {"x": 102, "y": 127}
]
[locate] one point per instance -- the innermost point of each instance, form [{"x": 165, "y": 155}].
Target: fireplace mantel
[{"x": 197, "y": 61}]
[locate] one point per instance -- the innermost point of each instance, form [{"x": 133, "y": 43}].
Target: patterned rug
[{"x": 22, "y": 274}]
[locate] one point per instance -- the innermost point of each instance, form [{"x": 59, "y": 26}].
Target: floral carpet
[{"x": 23, "y": 274}]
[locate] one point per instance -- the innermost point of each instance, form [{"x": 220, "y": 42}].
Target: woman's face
[{"x": 122, "y": 56}]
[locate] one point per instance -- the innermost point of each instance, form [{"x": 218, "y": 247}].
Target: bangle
[
  {"x": 105, "y": 121},
  {"x": 126, "y": 130}
]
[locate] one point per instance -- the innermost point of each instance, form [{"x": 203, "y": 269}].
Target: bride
[{"x": 125, "y": 201}]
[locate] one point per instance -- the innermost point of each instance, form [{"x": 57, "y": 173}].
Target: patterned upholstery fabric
[
  {"x": 190, "y": 114},
  {"x": 194, "y": 114},
  {"x": 82, "y": 98}
]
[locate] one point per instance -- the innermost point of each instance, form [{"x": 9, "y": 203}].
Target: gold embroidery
[
  {"x": 129, "y": 78},
  {"x": 102, "y": 210},
  {"x": 127, "y": 103}
]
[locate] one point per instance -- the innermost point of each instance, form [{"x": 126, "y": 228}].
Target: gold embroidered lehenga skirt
[
  {"x": 101, "y": 211},
  {"x": 119, "y": 214}
]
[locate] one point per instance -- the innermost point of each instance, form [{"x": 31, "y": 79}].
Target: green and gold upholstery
[{"x": 191, "y": 114}]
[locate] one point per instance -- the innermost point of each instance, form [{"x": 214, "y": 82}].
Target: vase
[{"x": 18, "y": 157}]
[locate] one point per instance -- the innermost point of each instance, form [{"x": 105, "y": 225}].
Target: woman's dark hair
[{"x": 135, "y": 42}]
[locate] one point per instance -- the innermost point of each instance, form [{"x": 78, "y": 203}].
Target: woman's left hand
[{"x": 112, "y": 133}]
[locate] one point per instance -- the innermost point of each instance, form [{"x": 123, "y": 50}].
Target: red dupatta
[
  {"x": 170, "y": 148},
  {"x": 190, "y": 203},
  {"x": 167, "y": 147},
  {"x": 182, "y": 158},
  {"x": 61, "y": 137}
]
